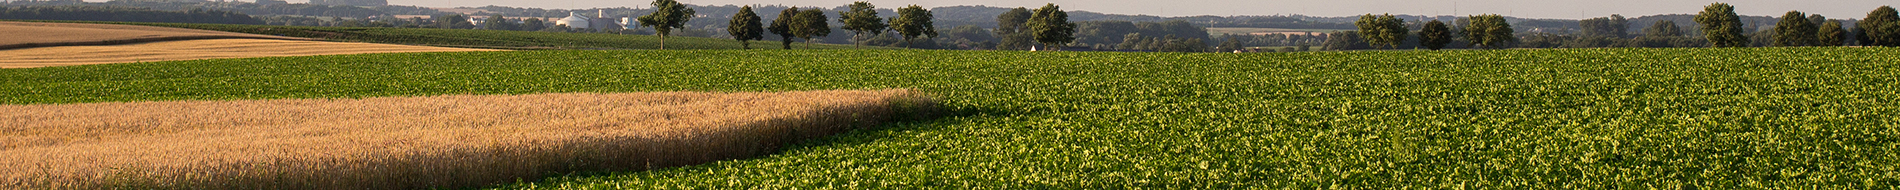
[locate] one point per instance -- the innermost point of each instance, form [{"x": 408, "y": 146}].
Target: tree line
[{"x": 1719, "y": 24}]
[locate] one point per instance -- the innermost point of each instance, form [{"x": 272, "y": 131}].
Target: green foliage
[
  {"x": 1490, "y": 31},
  {"x": 809, "y": 24},
  {"x": 1435, "y": 35},
  {"x": 533, "y": 24},
  {"x": 1382, "y": 31},
  {"x": 498, "y": 22},
  {"x": 667, "y": 15},
  {"x": 1014, "y": 21},
  {"x": 1345, "y": 40},
  {"x": 1880, "y": 28},
  {"x": 1731, "y": 118},
  {"x": 1831, "y": 34},
  {"x": 745, "y": 27},
  {"x": 1051, "y": 27},
  {"x": 1663, "y": 28},
  {"x": 783, "y": 26},
  {"x": 863, "y": 19},
  {"x": 453, "y": 22},
  {"x": 1796, "y": 30},
  {"x": 1614, "y": 26},
  {"x": 913, "y": 21},
  {"x": 1721, "y": 26},
  {"x": 1012, "y": 30}
]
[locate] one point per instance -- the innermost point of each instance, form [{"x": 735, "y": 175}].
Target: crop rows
[{"x": 1569, "y": 118}]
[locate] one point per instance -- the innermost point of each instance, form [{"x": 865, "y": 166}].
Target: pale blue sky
[{"x": 1567, "y": 9}]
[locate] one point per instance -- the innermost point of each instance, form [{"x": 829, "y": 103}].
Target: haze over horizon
[{"x": 1556, "y": 9}]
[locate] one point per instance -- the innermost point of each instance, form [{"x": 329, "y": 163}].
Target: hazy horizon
[{"x": 1556, "y": 9}]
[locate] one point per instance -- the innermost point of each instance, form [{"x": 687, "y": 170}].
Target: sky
[{"x": 1559, "y": 9}]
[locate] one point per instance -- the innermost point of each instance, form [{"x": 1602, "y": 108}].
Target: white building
[{"x": 574, "y": 20}]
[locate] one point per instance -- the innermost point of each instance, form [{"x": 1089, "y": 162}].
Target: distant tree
[
  {"x": 783, "y": 26},
  {"x": 1051, "y": 27},
  {"x": 533, "y": 24},
  {"x": 1831, "y": 34},
  {"x": 810, "y": 24},
  {"x": 1011, "y": 29},
  {"x": 1663, "y": 28},
  {"x": 1880, "y": 28},
  {"x": 1614, "y": 26},
  {"x": 1489, "y": 31},
  {"x": 1794, "y": 30},
  {"x": 1721, "y": 26},
  {"x": 1345, "y": 40},
  {"x": 913, "y": 21},
  {"x": 1130, "y": 41},
  {"x": 454, "y": 22},
  {"x": 861, "y": 20},
  {"x": 1231, "y": 45},
  {"x": 1435, "y": 35},
  {"x": 667, "y": 15},
  {"x": 498, "y": 22},
  {"x": 971, "y": 33},
  {"x": 745, "y": 27}
]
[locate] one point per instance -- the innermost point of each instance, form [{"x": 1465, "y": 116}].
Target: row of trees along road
[
  {"x": 1719, "y": 24},
  {"x": 1048, "y": 25},
  {"x": 1387, "y": 31}
]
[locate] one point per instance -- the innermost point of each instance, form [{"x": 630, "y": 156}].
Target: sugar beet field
[{"x": 1558, "y": 118}]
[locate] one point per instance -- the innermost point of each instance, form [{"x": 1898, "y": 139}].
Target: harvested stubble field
[
  {"x": 39, "y": 44},
  {"x": 14, "y": 34},
  {"x": 411, "y": 142}
]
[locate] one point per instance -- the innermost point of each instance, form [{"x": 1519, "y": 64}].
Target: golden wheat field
[
  {"x": 38, "y": 44},
  {"x": 196, "y": 49},
  {"x": 411, "y": 142},
  {"x": 40, "y": 34}
]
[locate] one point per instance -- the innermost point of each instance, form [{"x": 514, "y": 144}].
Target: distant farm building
[{"x": 575, "y": 20}]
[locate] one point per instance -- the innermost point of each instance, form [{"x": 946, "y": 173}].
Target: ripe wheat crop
[
  {"x": 411, "y": 142},
  {"x": 1610, "y": 118}
]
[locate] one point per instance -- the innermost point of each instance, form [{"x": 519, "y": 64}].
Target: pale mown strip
[
  {"x": 412, "y": 142},
  {"x": 196, "y": 49}
]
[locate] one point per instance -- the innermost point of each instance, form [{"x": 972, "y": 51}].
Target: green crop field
[
  {"x": 1825, "y": 118},
  {"x": 495, "y": 39}
]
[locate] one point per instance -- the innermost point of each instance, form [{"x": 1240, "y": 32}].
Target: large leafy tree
[
  {"x": 1831, "y": 34},
  {"x": 1051, "y": 27},
  {"x": 810, "y": 24},
  {"x": 1663, "y": 28},
  {"x": 745, "y": 27},
  {"x": 1721, "y": 26},
  {"x": 1795, "y": 30},
  {"x": 1382, "y": 30},
  {"x": 913, "y": 21},
  {"x": 783, "y": 26},
  {"x": 1489, "y": 31},
  {"x": 1881, "y": 27},
  {"x": 861, "y": 20},
  {"x": 1011, "y": 29},
  {"x": 1435, "y": 35},
  {"x": 667, "y": 15}
]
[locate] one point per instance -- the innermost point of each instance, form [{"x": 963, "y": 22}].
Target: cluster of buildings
[{"x": 599, "y": 21}]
